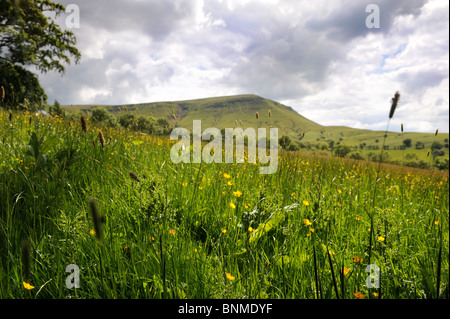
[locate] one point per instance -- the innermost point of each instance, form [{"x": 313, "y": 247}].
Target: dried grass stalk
[{"x": 83, "y": 124}]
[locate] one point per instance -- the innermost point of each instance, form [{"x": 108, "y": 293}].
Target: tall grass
[{"x": 170, "y": 230}]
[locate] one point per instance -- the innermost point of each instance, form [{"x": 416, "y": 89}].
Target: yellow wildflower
[
  {"x": 232, "y": 205},
  {"x": 359, "y": 295},
  {"x": 229, "y": 276},
  {"x": 306, "y": 222},
  {"x": 345, "y": 270},
  {"x": 27, "y": 286},
  {"x": 237, "y": 194}
]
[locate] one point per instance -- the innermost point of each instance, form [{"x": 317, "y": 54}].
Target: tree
[
  {"x": 331, "y": 144},
  {"x": 357, "y": 156},
  {"x": 436, "y": 146},
  {"x": 442, "y": 163},
  {"x": 100, "y": 114},
  {"x": 286, "y": 143},
  {"x": 420, "y": 145},
  {"x": 19, "y": 85},
  {"x": 56, "y": 109},
  {"x": 342, "y": 150},
  {"x": 127, "y": 120},
  {"x": 143, "y": 124},
  {"x": 29, "y": 38},
  {"x": 407, "y": 142}
]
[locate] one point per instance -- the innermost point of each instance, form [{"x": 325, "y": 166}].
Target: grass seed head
[
  {"x": 257, "y": 115},
  {"x": 83, "y": 124},
  {"x": 394, "y": 101},
  {"x": 134, "y": 177},
  {"x": 101, "y": 138},
  {"x": 3, "y": 93}
]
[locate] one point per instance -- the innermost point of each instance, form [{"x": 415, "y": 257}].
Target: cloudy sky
[{"x": 318, "y": 57}]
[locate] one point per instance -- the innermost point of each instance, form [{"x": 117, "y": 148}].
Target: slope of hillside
[
  {"x": 219, "y": 112},
  {"x": 240, "y": 110}
]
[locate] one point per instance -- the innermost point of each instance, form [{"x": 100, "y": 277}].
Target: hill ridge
[{"x": 240, "y": 110}]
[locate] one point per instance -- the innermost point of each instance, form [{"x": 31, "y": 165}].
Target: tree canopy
[{"x": 30, "y": 37}]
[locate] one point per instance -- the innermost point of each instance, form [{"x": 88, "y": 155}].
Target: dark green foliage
[
  {"x": 442, "y": 163},
  {"x": 146, "y": 124},
  {"x": 20, "y": 85},
  {"x": 56, "y": 109},
  {"x": 126, "y": 120},
  {"x": 420, "y": 145},
  {"x": 100, "y": 114},
  {"x": 357, "y": 156},
  {"x": 342, "y": 150},
  {"x": 30, "y": 38},
  {"x": 407, "y": 142},
  {"x": 436, "y": 146},
  {"x": 375, "y": 157},
  {"x": 286, "y": 143}
]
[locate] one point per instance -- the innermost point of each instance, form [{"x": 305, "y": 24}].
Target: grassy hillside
[
  {"x": 240, "y": 110},
  {"x": 137, "y": 225},
  {"x": 218, "y": 112}
]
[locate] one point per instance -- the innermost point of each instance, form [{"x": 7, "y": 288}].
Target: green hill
[
  {"x": 218, "y": 112},
  {"x": 240, "y": 110}
]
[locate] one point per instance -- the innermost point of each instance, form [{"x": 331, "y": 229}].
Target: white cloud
[{"x": 317, "y": 57}]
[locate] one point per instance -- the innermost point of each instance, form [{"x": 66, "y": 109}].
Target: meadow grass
[{"x": 209, "y": 230}]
